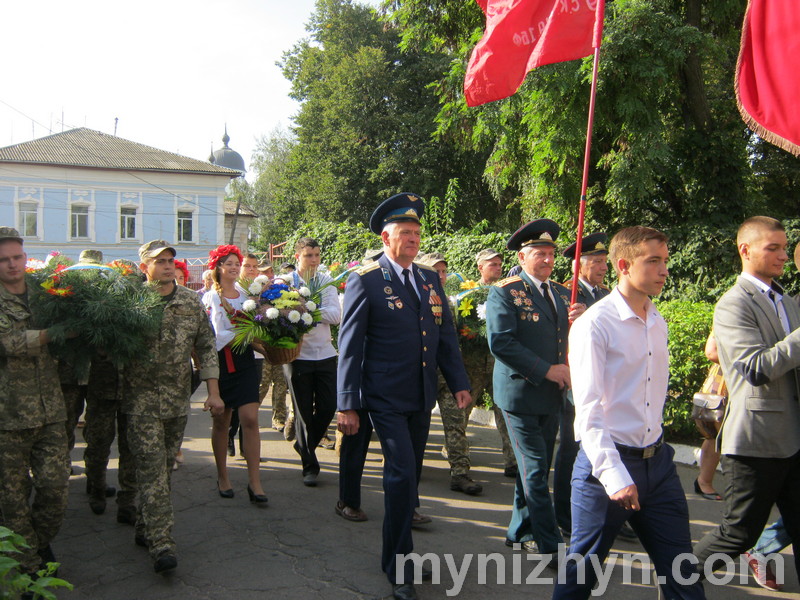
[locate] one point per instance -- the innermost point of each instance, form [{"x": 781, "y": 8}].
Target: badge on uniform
[
  {"x": 387, "y": 290},
  {"x": 436, "y": 305},
  {"x": 387, "y": 276},
  {"x": 391, "y": 305}
]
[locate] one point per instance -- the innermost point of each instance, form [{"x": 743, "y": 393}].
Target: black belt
[{"x": 646, "y": 452}]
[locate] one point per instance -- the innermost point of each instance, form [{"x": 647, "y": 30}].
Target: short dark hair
[
  {"x": 250, "y": 255},
  {"x": 750, "y": 230},
  {"x": 305, "y": 242}
]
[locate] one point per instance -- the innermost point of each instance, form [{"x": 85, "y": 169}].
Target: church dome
[{"x": 226, "y": 156}]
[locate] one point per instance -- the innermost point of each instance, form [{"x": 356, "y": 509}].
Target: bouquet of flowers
[
  {"x": 468, "y": 300},
  {"x": 276, "y": 315},
  {"x": 109, "y": 308},
  {"x": 339, "y": 273}
]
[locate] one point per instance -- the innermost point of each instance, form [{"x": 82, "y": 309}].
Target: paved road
[{"x": 298, "y": 548}]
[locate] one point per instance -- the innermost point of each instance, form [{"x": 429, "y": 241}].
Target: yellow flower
[
  {"x": 465, "y": 307},
  {"x": 469, "y": 285},
  {"x": 47, "y": 284}
]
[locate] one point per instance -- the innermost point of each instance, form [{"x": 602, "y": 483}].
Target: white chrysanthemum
[
  {"x": 304, "y": 291},
  {"x": 293, "y": 316},
  {"x": 261, "y": 280},
  {"x": 307, "y": 318},
  {"x": 254, "y": 289},
  {"x": 272, "y": 313},
  {"x": 482, "y": 311},
  {"x": 311, "y": 305},
  {"x": 249, "y": 305}
]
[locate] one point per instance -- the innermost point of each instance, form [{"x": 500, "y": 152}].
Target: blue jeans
[{"x": 774, "y": 538}]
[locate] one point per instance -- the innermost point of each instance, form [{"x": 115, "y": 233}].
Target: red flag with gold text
[
  {"x": 522, "y": 35},
  {"x": 768, "y": 72}
]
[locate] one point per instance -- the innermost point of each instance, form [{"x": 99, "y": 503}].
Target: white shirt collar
[{"x": 763, "y": 287}]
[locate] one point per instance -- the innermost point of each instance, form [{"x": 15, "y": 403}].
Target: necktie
[
  {"x": 411, "y": 291},
  {"x": 595, "y": 292},
  {"x": 549, "y": 302}
]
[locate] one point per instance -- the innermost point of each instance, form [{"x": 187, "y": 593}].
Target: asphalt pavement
[{"x": 298, "y": 548}]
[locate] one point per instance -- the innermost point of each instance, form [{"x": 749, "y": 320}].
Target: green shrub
[
  {"x": 13, "y": 583},
  {"x": 689, "y": 325}
]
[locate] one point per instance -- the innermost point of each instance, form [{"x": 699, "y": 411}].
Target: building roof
[
  {"x": 87, "y": 148},
  {"x": 227, "y": 156},
  {"x": 244, "y": 210}
]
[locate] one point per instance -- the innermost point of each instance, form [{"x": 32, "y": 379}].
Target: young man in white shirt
[{"x": 624, "y": 471}]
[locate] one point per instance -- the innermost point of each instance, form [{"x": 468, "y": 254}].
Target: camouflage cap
[
  {"x": 154, "y": 248},
  {"x": 432, "y": 259},
  {"x": 9, "y": 233},
  {"x": 486, "y": 254},
  {"x": 265, "y": 265},
  {"x": 91, "y": 257}
]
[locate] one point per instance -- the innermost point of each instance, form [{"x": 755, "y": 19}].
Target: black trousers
[
  {"x": 753, "y": 485},
  {"x": 352, "y": 456},
  {"x": 314, "y": 397}
]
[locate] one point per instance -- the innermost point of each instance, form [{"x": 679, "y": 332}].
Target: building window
[
  {"x": 185, "y": 221},
  {"x": 28, "y": 221},
  {"x": 127, "y": 223},
  {"x": 79, "y": 221}
]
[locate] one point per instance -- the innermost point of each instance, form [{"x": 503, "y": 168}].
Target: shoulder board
[
  {"x": 366, "y": 269},
  {"x": 557, "y": 285},
  {"x": 426, "y": 267},
  {"x": 605, "y": 287},
  {"x": 567, "y": 284},
  {"x": 508, "y": 280}
]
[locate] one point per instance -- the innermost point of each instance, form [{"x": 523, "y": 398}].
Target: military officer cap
[
  {"x": 539, "y": 232},
  {"x": 9, "y": 233},
  {"x": 400, "y": 207},
  {"x": 595, "y": 243},
  {"x": 91, "y": 257},
  {"x": 486, "y": 254},
  {"x": 432, "y": 259},
  {"x": 154, "y": 248}
]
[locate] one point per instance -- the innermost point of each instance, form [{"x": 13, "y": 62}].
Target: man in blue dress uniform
[
  {"x": 396, "y": 330},
  {"x": 527, "y": 319}
]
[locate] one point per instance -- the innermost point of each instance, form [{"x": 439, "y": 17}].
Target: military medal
[
  {"x": 387, "y": 290},
  {"x": 391, "y": 305},
  {"x": 436, "y": 305},
  {"x": 398, "y": 303}
]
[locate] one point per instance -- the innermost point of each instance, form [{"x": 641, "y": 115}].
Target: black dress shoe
[
  {"x": 404, "y": 591},
  {"x": 166, "y": 561},
  {"x": 257, "y": 499},
  {"x": 225, "y": 493}
]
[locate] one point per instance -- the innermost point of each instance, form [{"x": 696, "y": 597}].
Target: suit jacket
[
  {"x": 388, "y": 351},
  {"x": 526, "y": 341},
  {"x": 759, "y": 363}
]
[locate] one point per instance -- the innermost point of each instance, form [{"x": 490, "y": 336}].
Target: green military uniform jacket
[
  {"x": 30, "y": 394},
  {"x": 159, "y": 385}
]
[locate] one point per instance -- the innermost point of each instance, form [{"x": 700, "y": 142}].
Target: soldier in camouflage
[
  {"x": 33, "y": 440},
  {"x": 156, "y": 402}
]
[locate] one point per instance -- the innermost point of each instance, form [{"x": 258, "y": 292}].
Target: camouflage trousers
[
  {"x": 154, "y": 443},
  {"x": 273, "y": 375},
  {"x": 34, "y": 459},
  {"x": 74, "y": 401},
  {"x": 103, "y": 420},
  {"x": 455, "y": 419}
]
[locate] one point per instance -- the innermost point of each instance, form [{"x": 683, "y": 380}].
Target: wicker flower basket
[{"x": 282, "y": 356}]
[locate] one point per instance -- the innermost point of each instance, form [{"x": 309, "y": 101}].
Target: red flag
[
  {"x": 522, "y": 35},
  {"x": 768, "y": 72}
]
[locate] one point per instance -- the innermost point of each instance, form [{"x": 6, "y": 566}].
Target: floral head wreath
[
  {"x": 179, "y": 264},
  {"x": 221, "y": 252}
]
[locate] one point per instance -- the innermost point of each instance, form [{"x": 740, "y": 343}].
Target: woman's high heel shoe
[
  {"x": 707, "y": 495},
  {"x": 257, "y": 499},
  {"x": 225, "y": 493}
]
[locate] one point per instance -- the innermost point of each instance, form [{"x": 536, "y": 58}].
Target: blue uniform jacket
[
  {"x": 526, "y": 342},
  {"x": 388, "y": 352}
]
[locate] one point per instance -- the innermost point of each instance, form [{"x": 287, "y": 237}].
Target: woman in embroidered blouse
[{"x": 238, "y": 381}]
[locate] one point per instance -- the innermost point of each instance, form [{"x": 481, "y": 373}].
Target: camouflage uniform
[
  {"x": 273, "y": 374},
  {"x": 103, "y": 416},
  {"x": 33, "y": 441},
  {"x": 479, "y": 365},
  {"x": 73, "y": 388},
  {"x": 155, "y": 399}
]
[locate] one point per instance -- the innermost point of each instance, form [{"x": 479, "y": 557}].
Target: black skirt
[{"x": 238, "y": 377}]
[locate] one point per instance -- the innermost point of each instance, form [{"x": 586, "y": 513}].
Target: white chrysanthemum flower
[
  {"x": 254, "y": 289},
  {"x": 261, "y": 280},
  {"x": 307, "y": 318},
  {"x": 293, "y": 316},
  {"x": 482, "y": 311},
  {"x": 272, "y": 313},
  {"x": 249, "y": 305},
  {"x": 304, "y": 291},
  {"x": 311, "y": 305}
]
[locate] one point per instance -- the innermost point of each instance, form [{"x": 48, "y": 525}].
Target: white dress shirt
[
  {"x": 220, "y": 321},
  {"x": 317, "y": 343},
  {"x": 776, "y": 300},
  {"x": 619, "y": 366},
  {"x": 399, "y": 270}
]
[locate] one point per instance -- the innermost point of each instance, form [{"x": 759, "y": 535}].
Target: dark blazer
[
  {"x": 759, "y": 362},
  {"x": 585, "y": 294},
  {"x": 389, "y": 352},
  {"x": 526, "y": 342}
]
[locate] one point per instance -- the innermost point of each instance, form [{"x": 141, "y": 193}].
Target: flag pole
[{"x": 596, "y": 42}]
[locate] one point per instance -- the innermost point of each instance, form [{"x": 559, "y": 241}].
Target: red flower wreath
[{"x": 221, "y": 252}]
